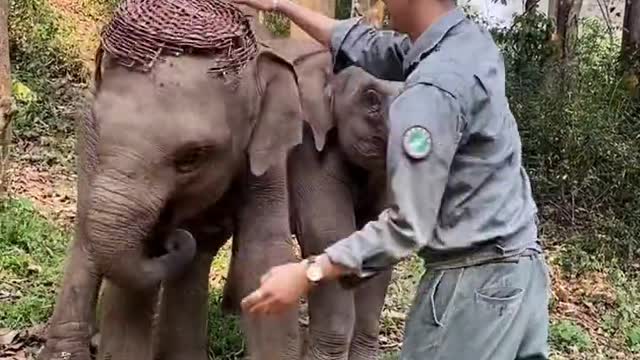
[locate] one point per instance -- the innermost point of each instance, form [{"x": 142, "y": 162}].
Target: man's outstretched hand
[
  {"x": 317, "y": 25},
  {"x": 283, "y": 286},
  {"x": 280, "y": 289}
]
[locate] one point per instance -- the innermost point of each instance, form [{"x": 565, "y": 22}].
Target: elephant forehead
[
  {"x": 177, "y": 76},
  {"x": 166, "y": 114}
]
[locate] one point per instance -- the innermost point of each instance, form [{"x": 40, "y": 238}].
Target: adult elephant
[
  {"x": 337, "y": 183},
  {"x": 171, "y": 164}
]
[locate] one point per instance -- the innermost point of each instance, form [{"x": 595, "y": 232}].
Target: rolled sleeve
[
  {"x": 340, "y": 33},
  {"x": 417, "y": 185},
  {"x": 379, "y": 52}
]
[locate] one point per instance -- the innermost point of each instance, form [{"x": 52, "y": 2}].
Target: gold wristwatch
[{"x": 314, "y": 270}]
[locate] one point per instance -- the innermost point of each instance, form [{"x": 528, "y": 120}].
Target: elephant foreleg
[
  {"x": 73, "y": 319},
  {"x": 260, "y": 242},
  {"x": 323, "y": 205},
  {"x": 182, "y": 327},
  {"x": 369, "y": 300},
  {"x": 126, "y": 323},
  {"x": 370, "y": 295}
]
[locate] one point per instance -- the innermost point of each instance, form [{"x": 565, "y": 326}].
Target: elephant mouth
[
  {"x": 157, "y": 236},
  {"x": 371, "y": 147}
]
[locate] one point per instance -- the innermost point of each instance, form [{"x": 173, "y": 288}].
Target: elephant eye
[{"x": 190, "y": 159}]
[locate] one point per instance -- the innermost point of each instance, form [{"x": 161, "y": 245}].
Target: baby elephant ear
[
  {"x": 316, "y": 95},
  {"x": 278, "y": 127}
]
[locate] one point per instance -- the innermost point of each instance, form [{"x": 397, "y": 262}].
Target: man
[{"x": 462, "y": 198}]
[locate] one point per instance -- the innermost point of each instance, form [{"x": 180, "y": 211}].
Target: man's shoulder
[
  {"x": 436, "y": 72},
  {"x": 460, "y": 65}
]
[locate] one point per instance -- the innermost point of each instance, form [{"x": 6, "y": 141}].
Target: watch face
[{"x": 314, "y": 273}]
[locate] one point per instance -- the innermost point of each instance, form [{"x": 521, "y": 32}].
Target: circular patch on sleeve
[{"x": 416, "y": 142}]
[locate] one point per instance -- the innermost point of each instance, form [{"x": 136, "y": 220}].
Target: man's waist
[{"x": 504, "y": 247}]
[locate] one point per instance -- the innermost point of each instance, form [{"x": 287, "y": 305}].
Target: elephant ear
[
  {"x": 278, "y": 126},
  {"x": 97, "y": 62},
  {"x": 102, "y": 61},
  {"x": 314, "y": 70}
]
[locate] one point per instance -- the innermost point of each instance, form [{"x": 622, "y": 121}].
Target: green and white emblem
[{"x": 416, "y": 142}]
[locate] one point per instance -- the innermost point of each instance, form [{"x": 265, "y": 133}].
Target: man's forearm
[{"x": 317, "y": 25}]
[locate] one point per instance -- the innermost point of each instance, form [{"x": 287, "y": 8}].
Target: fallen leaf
[
  {"x": 7, "y": 336},
  {"x": 395, "y": 315},
  {"x": 5, "y": 295},
  {"x": 20, "y": 355},
  {"x": 34, "y": 268}
]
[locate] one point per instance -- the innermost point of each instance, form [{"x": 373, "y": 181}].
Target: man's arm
[
  {"x": 316, "y": 24},
  {"x": 380, "y": 53},
  {"x": 425, "y": 127},
  {"x": 425, "y": 124}
]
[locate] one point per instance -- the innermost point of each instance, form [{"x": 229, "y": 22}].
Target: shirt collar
[{"x": 431, "y": 38}]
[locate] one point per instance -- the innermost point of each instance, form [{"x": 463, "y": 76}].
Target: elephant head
[
  {"x": 356, "y": 104},
  {"x": 360, "y": 106},
  {"x": 166, "y": 144}
]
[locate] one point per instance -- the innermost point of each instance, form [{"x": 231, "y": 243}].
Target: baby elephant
[
  {"x": 338, "y": 184},
  {"x": 336, "y": 191}
]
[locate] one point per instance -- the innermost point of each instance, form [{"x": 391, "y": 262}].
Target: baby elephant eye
[{"x": 191, "y": 159}]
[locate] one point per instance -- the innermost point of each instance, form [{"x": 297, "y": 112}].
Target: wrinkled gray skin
[
  {"x": 171, "y": 164},
  {"x": 337, "y": 183},
  {"x": 336, "y": 191},
  {"x": 163, "y": 161}
]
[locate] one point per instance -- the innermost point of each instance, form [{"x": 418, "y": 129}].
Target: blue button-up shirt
[{"x": 460, "y": 193}]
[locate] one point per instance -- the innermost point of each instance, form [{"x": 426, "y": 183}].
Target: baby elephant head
[{"x": 360, "y": 111}]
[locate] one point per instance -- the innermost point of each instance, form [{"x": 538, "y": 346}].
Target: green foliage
[
  {"x": 278, "y": 24},
  {"x": 31, "y": 254},
  {"x": 226, "y": 340},
  {"x": 566, "y": 335},
  {"x": 625, "y": 316},
  {"x": 391, "y": 356},
  {"x": 526, "y": 45},
  {"x": 633, "y": 339},
  {"x": 343, "y": 9},
  {"x": 579, "y": 131},
  {"x": 44, "y": 64},
  {"x": 105, "y": 7}
]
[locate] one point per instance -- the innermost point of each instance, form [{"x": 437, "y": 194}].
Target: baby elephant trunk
[{"x": 130, "y": 242}]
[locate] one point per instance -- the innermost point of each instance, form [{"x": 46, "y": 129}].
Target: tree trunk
[
  {"x": 5, "y": 95},
  {"x": 631, "y": 35},
  {"x": 327, "y": 7},
  {"x": 567, "y": 14}
]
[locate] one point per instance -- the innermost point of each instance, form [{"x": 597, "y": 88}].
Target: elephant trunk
[{"x": 131, "y": 237}]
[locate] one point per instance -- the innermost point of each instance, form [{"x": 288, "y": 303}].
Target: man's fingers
[
  {"x": 265, "y": 277},
  {"x": 252, "y": 298},
  {"x": 265, "y": 306}
]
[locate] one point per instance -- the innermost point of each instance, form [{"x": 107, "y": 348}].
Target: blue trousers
[{"x": 494, "y": 311}]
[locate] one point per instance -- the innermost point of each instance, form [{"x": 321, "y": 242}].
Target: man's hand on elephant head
[
  {"x": 280, "y": 289},
  {"x": 264, "y": 5}
]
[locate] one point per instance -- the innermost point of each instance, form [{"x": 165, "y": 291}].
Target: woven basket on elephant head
[{"x": 143, "y": 31}]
